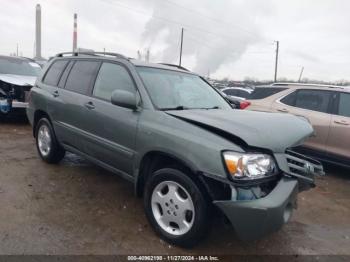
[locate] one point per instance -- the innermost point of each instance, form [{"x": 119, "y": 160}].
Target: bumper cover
[
  {"x": 253, "y": 219},
  {"x": 16, "y": 104}
]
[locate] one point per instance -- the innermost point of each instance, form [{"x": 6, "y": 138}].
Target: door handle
[
  {"x": 283, "y": 110},
  {"x": 341, "y": 122},
  {"x": 55, "y": 94},
  {"x": 89, "y": 105}
]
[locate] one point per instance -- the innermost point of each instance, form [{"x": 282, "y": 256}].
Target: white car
[
  {"x": 17, "y": 77},
  {"x": 238, "y": 92}
]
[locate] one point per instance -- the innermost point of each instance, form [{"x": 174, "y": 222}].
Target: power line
[
  {"x": 174, "y": 22},
  {"x": 204, "y": 44},
  {"x": 211, "y": 18}
]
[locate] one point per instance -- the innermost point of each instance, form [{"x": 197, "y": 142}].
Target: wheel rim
[
  {"x": 44, "y": 140},
  {"x": 172, "y": 208}
]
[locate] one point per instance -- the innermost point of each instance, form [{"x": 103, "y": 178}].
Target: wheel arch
[
  {"x": 157, "y": 159},
  {"x": 37, "y": 116}
]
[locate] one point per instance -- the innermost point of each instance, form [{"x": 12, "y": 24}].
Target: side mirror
[{"x": 124, "y": 98}]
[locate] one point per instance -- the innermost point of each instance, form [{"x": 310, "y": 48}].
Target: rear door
[
  {"x": 339, "y": 136},
  {"x": 112, "y": 129},
  {"x": 51, "y": 86},
  {"x": 315, "y": 106},
  {"x": 71, "y": 119}
]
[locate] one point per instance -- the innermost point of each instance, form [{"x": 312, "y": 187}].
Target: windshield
[
  {"x": 18, "y": 67},
  {"x": 176, "y": 90}
]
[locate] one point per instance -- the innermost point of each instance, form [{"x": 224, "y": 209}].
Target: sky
[{"x": 233, "y": 39}]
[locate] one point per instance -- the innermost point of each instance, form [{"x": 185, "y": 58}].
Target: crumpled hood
[
  {"x": 19, "y": 80},
  {"x": 274, "y": 131}
]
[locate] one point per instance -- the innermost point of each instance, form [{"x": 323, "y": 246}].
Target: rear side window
[
  {"x": 289, "y": 99},
  {"x": 82, "y": 76},
  {"x": 54, "y": 73},
  {"x": 112, "y": 77},
  {"x": 316, "y": 100},
  {"x": 344, "y": 104},
  {"x": 243, "y": 94},
  {"x": 263, "y": 92},
  {"x": 230, "y": 92}
]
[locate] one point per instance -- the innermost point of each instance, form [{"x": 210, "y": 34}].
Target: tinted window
[
  {"x": 54, "y": 73},
  {"x": 344, "y": 104},
  {"x": 230, "y": 92},
  {"x": 81, "y": 76},
  {"x": 289, "y": 99},
  {"x": 66, "y": 71},
  {"x": 243, "y": 94},
  {"x": 315, "y": 100},
  {"x": 112, "y": 77},
  {"x": 263, "y": 92}
]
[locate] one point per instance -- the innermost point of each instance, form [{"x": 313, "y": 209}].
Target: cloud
[
  {"x": 214, "y": 34},
  {"x": 233, "y": 38},
  {"x": 304, "y": 56}
]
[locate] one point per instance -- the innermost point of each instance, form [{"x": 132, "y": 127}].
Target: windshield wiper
[
  {"x": 174, "y": 108},
  {"x": 187, "y": 108},
  {"x": 207, "y": 108}
]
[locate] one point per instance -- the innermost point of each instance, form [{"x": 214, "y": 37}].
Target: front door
[
  {"x": 70, "y": 115},
  {"x": 112, "y": 128}
]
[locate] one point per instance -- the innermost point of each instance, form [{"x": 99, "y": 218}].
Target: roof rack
[
  {"x": 173, "y": 65},
  {"x": 92, "y": 54},
  {"x": 305, "y": 84}
]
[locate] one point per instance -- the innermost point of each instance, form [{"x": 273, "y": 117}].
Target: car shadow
[
  {"x": 337, "y": 171},
  {"x": 16, "y": 118}
]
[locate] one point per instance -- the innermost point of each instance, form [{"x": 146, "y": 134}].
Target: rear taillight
[{"x": 244, "y": 104}]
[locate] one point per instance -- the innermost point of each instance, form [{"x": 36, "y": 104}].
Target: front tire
[
  {"x": 175, "y": 207},
  {"x": 46, "y": 143}
]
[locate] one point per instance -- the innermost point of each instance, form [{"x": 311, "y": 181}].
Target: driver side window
[{"x": 111, "y": 77}]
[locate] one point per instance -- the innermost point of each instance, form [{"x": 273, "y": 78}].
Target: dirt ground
[{"x": 78, "y": 208}]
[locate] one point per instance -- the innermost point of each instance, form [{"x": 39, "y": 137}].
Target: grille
[{"x": 303, "y": 166}]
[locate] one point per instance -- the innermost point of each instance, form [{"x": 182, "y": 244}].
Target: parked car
[
  {"x": 327, "y": 108},
  {"x": 235, "y": 103},
  {"x": 17, "y": 76},
  {"x": 238, "y": 96},
  {"x": 238, "y": 92},
  {"x": 177, "y": 139}
]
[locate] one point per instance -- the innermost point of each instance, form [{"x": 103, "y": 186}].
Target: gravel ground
[{"x": 78, "y": 208}]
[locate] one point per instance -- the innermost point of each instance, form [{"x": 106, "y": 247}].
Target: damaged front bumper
[
  {"x": 253, "y": 219},
  {"x": 13, "y": 97}
]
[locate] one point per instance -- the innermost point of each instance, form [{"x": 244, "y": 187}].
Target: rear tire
[
  {"x": 46, "y": 143},
  {"x": 175, "y": 207}
]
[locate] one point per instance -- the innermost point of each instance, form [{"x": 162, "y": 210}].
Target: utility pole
[
  {"x": 301, "y": 73},
  {"x": 17, "y": 50},
  {"x": 75, "y": 33},
  {"x": 276, "y": 62},
  {"x": 147, "y": 56},
  {"x": 182, "y": 38}
]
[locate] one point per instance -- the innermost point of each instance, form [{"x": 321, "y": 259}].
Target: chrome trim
[{"x": 303, "y": 166}]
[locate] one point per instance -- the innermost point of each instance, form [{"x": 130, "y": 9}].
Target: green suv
[{"x": 165, "y": 129}]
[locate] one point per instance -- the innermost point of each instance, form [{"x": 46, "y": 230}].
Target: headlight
[{"x": 249, "y": 166}]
